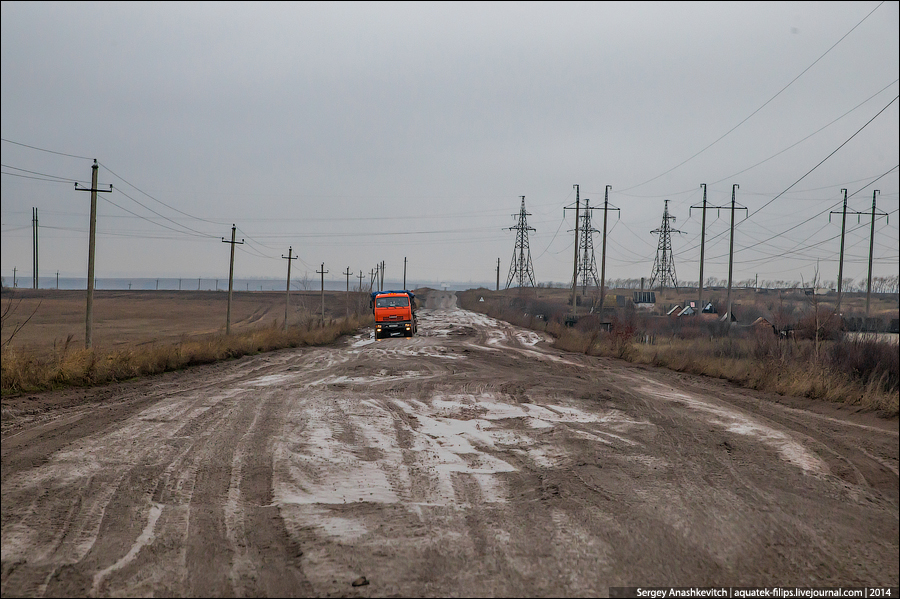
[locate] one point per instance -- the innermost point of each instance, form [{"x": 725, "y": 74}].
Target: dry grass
[{"x": 24, "y": 370}]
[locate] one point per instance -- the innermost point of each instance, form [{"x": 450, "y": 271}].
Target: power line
[
  {"x": 200, "y": 233},
  {"x": 44, "y": 150},
  {"x": 159, "y": 201},
  {"x": 805, "y": 138},
  {"x": 761, "y": 107},
  {"x": 824, "y": 159}
]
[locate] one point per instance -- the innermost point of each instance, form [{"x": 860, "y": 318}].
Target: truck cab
[{"x": 395, "y": 313}]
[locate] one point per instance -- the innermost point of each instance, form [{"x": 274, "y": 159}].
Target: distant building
[{"x": 644, "y": 297}]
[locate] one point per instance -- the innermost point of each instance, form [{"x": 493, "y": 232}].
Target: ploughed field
[{"x": 469, "y": 460}]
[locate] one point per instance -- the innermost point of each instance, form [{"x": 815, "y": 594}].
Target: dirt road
[{"x": 470, "y": 460}]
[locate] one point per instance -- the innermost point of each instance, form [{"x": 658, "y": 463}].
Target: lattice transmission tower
[
  {"x": 520, "y": 267},
  {"x": 587, "y": 267},
  {"x": 664, "y": 265}
]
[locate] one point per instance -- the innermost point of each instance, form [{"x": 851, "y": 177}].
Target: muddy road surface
[{"x": 471, "y": 460}]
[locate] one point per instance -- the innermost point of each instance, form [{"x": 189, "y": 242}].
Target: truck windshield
[{"x": 391, "y": 302}]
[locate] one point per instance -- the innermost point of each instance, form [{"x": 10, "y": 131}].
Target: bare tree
[{"x": 10, "y": 308}]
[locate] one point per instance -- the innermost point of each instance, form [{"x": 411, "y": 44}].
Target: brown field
[{"x": 138, "y": 318}]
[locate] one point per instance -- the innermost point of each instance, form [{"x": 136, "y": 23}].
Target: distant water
[{"x": 202, "y": 284}]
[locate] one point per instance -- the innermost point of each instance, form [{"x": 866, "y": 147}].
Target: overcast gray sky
[{"x": 361, "y": 132}]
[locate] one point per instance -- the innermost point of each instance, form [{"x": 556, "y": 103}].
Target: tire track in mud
[
  {"x": 470, "y": 460},
  {"x": 180, "y": 485}
]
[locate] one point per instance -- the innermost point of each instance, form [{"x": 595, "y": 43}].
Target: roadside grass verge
[
  {"x": 24, "y": 371},
  {"x": 863, "y": 373}
]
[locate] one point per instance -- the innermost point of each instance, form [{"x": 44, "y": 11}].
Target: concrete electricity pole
[
  {"x": 322, "y": 272},
  {"x": 361, "y": 277},
  {"x": 730, "y": 315},
  {"x": 89, "y": 311},
  {"x": 575, "y": 269},
  {"x": 498, "y": 274},
  {"x": 347, "y": 272},
  {"x": 287, "y": 300},
  {"x": 606, "y": 210},
  {"x": 702, "y": 249},
  {"x": 840, "y": 281},
  {"x": 34, "y": 223},
  {"x": 230, "y": 278},
  {"x": 871, "y": 250},
  {"x": 404, "y": 272}
]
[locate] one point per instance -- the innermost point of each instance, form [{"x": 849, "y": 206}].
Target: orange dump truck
[{"x": 395, "y": 313}]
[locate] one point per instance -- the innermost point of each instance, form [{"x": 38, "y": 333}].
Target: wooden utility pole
[
  {"x": 498, "y": 274},
  {"x": 606, "y": 210},
  {"x": 89, "y": 311},
  {"x": 347, "y": 272},
  {"x": 404, "y": 272},
  {"x": 287, "y": 299},
  {"x": 34, "y": 222},
  {"x": 230, "y": 278},
  {"x": 381, "y": 288},
  {"x": 322, "y": 272}
]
